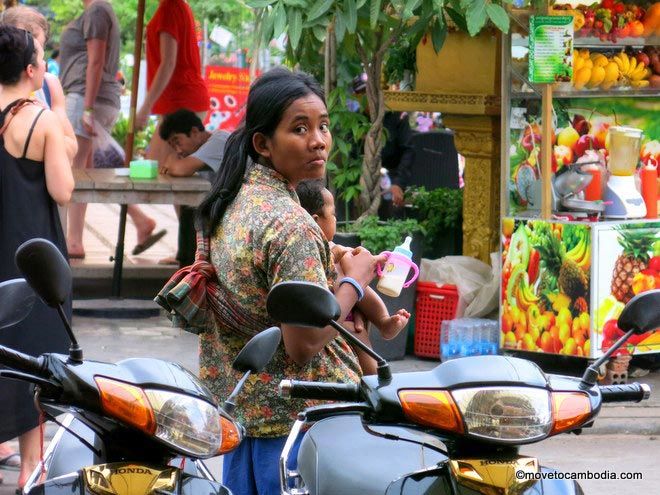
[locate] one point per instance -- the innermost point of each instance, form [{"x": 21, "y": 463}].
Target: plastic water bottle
[{"x": 385, "y": 184}]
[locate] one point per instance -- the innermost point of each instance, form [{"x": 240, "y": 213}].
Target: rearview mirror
[
  {"x": 258, "y": 352},
  {"x": 45, "y": 269},
  {"x": 302, "y": 303},
  {"x": 17, "y": 300},
  {"x": 642, "y": 313}
]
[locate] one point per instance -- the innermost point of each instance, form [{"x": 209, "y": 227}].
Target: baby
[{"x": 320, "y": 204}]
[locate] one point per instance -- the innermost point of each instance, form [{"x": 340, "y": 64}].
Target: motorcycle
[
  {"x": 139, "y": 426},
  {"x": 455, "y": 429}
]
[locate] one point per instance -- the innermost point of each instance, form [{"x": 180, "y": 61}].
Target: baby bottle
[{"x": 395, "y": 272}]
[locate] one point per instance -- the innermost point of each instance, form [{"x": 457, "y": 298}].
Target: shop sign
[
  {"x": 550, "y": 49},
  {"x": 228, "y": 89}
]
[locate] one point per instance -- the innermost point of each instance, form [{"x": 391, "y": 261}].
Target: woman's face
[
  {"x": 301, "y": 142},
  {"x": 37, "y": 70}
]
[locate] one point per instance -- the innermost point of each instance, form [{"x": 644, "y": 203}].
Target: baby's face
[{"x": 327, "y": 219}]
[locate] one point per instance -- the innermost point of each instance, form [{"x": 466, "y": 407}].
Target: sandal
[{"x": 150, "y": 241}]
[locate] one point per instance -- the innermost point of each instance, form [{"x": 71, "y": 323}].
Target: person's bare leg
[
  {"x": 76, "y": 223},
  {"x": 144, "y": 224},
  {"x": 29, "y": 447},
  {"x": 375, "y": 311}
]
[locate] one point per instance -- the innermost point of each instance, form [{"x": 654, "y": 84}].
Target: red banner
[{"x": 228, "y": 90}]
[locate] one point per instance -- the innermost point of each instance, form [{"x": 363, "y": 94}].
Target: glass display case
[{"x": 576, "y": 243}]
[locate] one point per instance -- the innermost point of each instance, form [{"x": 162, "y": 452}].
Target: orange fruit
[{"x": 636, "y": 28}]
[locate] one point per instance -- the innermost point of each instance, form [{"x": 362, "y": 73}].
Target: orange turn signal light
[
  {"x": 435, "y": 408},
  {"x": 569, "y": 410},
  {"x": 231, "y": 437},
  {"x": 126, "y": 403}
]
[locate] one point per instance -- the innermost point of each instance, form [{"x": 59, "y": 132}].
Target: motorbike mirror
[
  {"x": 302, "y": 303},
  {"x": 17, "y": 300},
  {"x": 642, "y": 313},
  {"x": 45, "y": 269},
  {"x": 253, "y": 358},
  {"x": 258, "y": 352},
  {"x": 49, "y": 274}
]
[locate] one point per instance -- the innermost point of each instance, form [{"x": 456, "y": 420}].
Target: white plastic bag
[
  {"x": 470, "y": 276},
  {"x": 106, "y": 151}
]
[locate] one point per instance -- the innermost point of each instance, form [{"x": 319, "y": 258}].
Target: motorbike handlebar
[
  {"x": 347, "y": 392},
  {"x": 633, "y": 392},
  {"x": 22, "y": 362}
]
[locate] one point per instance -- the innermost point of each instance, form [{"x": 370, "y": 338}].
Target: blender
[{"x": 621, "y": 197}]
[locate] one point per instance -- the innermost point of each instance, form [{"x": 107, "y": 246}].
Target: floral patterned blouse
[{"x": 266, "y": 237}]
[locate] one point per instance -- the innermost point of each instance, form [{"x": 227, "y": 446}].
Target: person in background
[
  {"x": 54, "y": 63},
  {"x": 397, "y": 154},
  {"x": 50, "y": 94},
  {"x": 35, "y": 176},
  {"x": 196, "y": 151},
  {"x": 89, "y": 53},
  {"x": 174, "y": 75},
  {"x": 255, "y": 234}
]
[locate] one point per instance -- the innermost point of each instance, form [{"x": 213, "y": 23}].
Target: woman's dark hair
[
  {"x": 16, "y": 53},
  {"x": 310, "y": 194},
  {"x": 269, "y": 97},
  {"x": 179, "y": 122}
]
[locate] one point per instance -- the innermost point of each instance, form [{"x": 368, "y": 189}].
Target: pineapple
[
  {"x": 636, "y": 244},
  {"x": 570, "y": 278}
]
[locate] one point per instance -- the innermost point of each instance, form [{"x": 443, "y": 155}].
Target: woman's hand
[
  {"x": 141, "y": 118},
  {"x": 87, "y": 120},
  {"x": 360, "y": 264}
]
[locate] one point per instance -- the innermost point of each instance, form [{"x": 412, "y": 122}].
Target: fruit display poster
[
  {"x": 550, "y": 49},
  {"x": 628, "y": 264},
  {"x": 545, "y": 291},
  {"x": 228, "y": 89}
]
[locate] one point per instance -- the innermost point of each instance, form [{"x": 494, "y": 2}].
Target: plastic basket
[{"x": 434, "y": 304}]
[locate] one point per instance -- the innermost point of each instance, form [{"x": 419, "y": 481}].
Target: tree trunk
[{"x": 369, "y": 200}]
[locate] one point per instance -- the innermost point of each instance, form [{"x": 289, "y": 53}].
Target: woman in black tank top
[{"x": 34, "y": 174}]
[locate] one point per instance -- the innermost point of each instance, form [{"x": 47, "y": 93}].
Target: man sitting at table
[{"x": 197, "y": 150}]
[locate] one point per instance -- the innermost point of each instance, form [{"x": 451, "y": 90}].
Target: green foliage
[
  {"x": 401, "y": 57},
  {"x": 438, "y": 211},
  {"x": 348, "y": 127},
  {"x": 378, "y": 236},
  {"x": 142, "y": 138}
]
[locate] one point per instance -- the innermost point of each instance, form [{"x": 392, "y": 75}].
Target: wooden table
[{"x": 106, "y": 186}]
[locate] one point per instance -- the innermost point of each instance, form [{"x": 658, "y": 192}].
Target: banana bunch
[
  {"x": 525, "y": 297},
  {"x": 580, "y": 254},
  {"x": 632, "y": 72}
]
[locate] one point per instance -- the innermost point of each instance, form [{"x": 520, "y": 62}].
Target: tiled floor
[{"x": 100, "y": 237}]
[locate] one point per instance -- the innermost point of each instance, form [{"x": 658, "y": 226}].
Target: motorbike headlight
[
  {"x": 505, "y": 414},
  {"x": 187, "y": 423}
]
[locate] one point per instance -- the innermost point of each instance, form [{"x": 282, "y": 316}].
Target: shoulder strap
[
  {"x": 12, "y": 109},
  {"x": 34, "y": 122},
  {"x": 46, "y": 88}
]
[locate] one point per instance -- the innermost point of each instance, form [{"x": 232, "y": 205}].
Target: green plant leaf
[
  {"x": 340, "y": 26},
  {"x": 279, "y": 20},
  {"x": 458, "y": 18},
  {"x": 267, "y": 29},
  {"x": 374, "y": 12},
  {"x": 259, "y": 4},
  {"x": 295, "y": 27},
  {"x": 476, "y": 17},
  {"x": 351, "y": 16},
  {"x": 438, "y": 35},
  {"x": 319, "y": 8},
  {"x": 498, "y": 15},
  {"x": 319, "y": 33},
  {"x": 295, "y": 3}
]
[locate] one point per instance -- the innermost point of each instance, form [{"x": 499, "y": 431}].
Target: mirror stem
[
  {"x": 384, "y": 372},
  {"x": 229, "y": 404},
  {"x": 590, "y": 376},
  {"x": 75, "y": 352}
]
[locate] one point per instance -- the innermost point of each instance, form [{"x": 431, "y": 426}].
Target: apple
[
  {"x": 568, "y": 137},
  {"x": 581, "y": 125},
  {"x": 562, "y": 155},
  {"x": 643, "y": 58},
  {"x": 650, "y": 150},
  {"x": 530, "y": 141},
  {"x": 586, "y": 142},
  {"x": 600, "y": 134}
]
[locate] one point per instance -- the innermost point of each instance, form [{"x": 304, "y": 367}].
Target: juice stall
[{"x": 580, "y": 232}]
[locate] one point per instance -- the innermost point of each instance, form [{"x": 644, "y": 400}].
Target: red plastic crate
[{"x": 434, "y": 304}]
